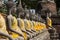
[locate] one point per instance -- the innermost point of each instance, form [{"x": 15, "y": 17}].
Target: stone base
[{"x": 43, "y": 36}]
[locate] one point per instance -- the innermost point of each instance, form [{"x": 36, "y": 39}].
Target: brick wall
[
  {"x": 51, "y": 6},
  {"x": 57, "y": 28}
]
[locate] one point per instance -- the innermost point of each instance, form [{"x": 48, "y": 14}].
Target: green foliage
[
  {"x": 30, "y": 4},
  {"x": 3, "y": 9}
]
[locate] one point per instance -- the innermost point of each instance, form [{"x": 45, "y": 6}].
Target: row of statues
[
  {"x": 23, "y": 27},
  {"x": 18, "y": 27}
]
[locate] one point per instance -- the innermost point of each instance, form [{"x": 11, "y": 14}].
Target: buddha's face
[
  {"x": 27, "y": 15},
  {"x": 21, "y": 13},
  {"x": 10, "y": 4},
  {"x": 13, "y": 10},
  {"x": 49, "y": 15}
]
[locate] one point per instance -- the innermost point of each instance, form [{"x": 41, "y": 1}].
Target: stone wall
[{"x": 51, "y": 6}]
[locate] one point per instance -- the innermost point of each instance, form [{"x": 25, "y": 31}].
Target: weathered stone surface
[
  {"x": 57, "y": 28},
  {"x": 51, "y": 6},
  {"x": 43, "y": 36}
]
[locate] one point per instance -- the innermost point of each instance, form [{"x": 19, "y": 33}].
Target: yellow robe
[
  {"x": 39, "y": 26},
  {"x": 15, "y": 27},
  {"x": 43, "y": 26},
  {"x": 35, "y": 26},
  {"x": 3, "y": 25},
  {"x": 22, "y": 27},
  {"x": 27, "y": 25},
  {"x": 49, "y": 22}
]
